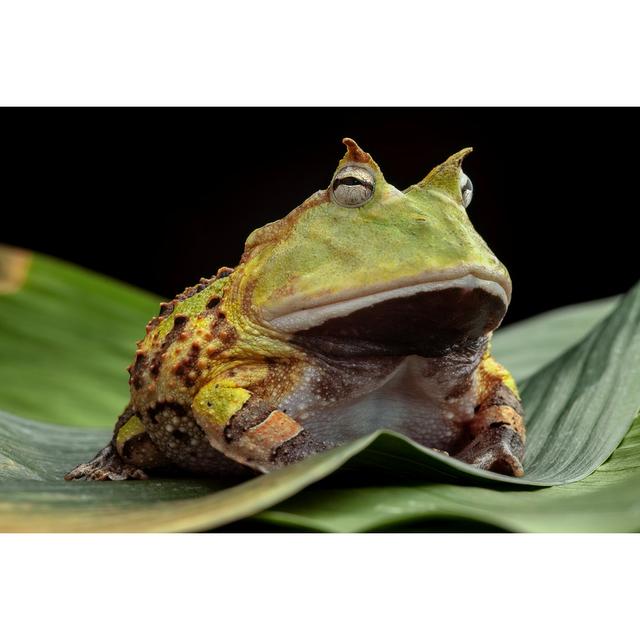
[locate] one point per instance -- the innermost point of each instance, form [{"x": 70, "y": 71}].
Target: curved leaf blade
[
  {"x": 526, "y": 346},
  {"x": 66, "y": 338}
]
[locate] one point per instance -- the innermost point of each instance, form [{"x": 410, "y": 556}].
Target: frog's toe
[
  {"x": 500, "y": 461},
  {"x": 107, "y": 465},
  {"x": 498, "y": 448}
]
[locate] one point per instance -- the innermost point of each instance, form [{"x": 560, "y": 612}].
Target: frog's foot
[
  {"x": 498, "y": 434},
  {"x": 497, "y": 448},
  {"x": 107, "y": 465}
]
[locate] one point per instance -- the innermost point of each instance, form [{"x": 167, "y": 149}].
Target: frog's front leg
[
  {"x": 124, "y": 458},
  {"x": 248, "y": 429},
  {"x": 497, "y": 430}
]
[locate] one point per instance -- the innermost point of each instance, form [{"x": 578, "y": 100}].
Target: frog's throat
[{"x": 301, "y": 319}]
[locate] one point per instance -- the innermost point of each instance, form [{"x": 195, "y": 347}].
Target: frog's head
[{"x": 362, "y": 266}]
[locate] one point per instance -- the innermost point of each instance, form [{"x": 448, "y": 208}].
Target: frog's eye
[
  {"x": 466, "y": 189},
  {"x": 352, "y": 186}
]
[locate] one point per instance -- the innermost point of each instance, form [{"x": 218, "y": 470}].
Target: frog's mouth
[{"x": 426, "y": 318}]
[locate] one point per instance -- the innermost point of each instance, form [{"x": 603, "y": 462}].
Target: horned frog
[{"x": 364, "y": 308}]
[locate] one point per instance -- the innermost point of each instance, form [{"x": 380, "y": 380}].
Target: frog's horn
[
  {"x": 356, "y": 154},
  {"x": 446, "y": 176}
]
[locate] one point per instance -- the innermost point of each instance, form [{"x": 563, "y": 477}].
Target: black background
[{"x": 161, "y": 197}]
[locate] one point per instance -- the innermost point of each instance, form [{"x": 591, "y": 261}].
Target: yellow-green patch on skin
[
  {"x": 496, "y": 370},
  {"x": 192, "y": 306},
  {"x": 254, "y": 341},
  {"x": 131, "y": 428},
  {"x": 218, "y": 402}
]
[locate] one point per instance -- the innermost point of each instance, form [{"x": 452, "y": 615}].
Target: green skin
[{"x": 343, "y": 317}]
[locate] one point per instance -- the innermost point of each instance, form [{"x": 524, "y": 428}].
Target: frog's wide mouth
[{"x": 422, "y": 317}]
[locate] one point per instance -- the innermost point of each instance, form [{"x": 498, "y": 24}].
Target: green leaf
[
  {"x": 68, "y": 334},
  {"x": 66, "y": 338},
  {"x": 525, "y": 347}
]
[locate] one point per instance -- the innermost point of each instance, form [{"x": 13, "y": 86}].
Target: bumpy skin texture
[{"x": 339, "y": 320}]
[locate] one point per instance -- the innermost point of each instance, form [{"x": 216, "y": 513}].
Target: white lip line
[{"x": 306, "y": 318}]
